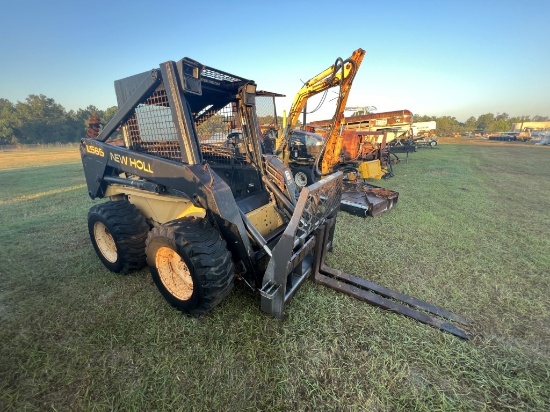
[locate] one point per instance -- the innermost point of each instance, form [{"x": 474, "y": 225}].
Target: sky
[{"x": 437, "y": 58}]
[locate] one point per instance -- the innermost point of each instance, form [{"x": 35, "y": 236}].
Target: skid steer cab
[{"x": 199, "y": 209}]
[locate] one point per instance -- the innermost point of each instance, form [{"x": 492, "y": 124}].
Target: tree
[
  {"x": 108, "y": 114},
  {"x": 212, "y": 127},
  {"x": 471, "y": 123},
  {"x": 502, "y": 116},
  {"x": 80, "y": 118},
  {"x": 9, "y": 123},
  {"x": 42, "y": 120},
  {"x": 499, "y": 126},
  {"x": 448, "y": 125},
  {"x": 424, "y": 118},
  {"x": 485, "y": 121}
]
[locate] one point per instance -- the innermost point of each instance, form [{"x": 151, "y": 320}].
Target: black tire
[
  {"x": 190, "y": 264},
  {"x": 118, "y": 232},
  {"x": 303, "y": 176}
]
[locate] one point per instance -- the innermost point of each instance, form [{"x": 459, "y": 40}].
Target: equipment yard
[{"x": 471, "y": 233}]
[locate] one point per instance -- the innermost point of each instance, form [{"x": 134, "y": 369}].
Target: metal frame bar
[
  {"x": 150, "y": 83},
  {"x": 181, "y": 114},
  {"x": 294, "y": 255}
]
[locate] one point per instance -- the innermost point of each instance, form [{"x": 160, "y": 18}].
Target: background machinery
[
  {"x": 384, "y": 133},
  {"x": 313, "y": 155},
  {"x": 341, "y": 75},
  {"x": 396, "y": 123},
  {"x": 193, "y": 195}
]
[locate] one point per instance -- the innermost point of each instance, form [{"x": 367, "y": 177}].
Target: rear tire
[
  {"x": 118, "y": 232},
  {"x": 190, "y": 264}
]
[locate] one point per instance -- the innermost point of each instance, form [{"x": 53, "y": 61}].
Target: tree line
[
  {"x": 39, "y": 119},
  {"x": 489, "y": 123}
]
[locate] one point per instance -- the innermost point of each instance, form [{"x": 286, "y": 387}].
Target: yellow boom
[{"x": 341, "y": 73}]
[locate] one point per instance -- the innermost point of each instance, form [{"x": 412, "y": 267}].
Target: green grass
[{"x": 471, "y": 232}]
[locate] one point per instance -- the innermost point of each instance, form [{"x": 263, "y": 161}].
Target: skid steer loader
[{"x": 192, "y": 194}]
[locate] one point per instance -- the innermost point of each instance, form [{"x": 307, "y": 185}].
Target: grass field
[
  {"x": 39, "y": 156},
  {"x": 471, "y": 232}
]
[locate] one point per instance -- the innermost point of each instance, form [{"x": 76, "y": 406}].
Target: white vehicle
[
  {"x": 544, "y": 140},
  {"x": 424, "y": 129}
]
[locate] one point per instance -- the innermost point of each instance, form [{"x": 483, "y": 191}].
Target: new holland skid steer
[{"x": 192, "y": 194}]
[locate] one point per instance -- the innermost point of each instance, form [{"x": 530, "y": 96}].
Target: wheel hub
[
  {"x": 105, "y": 242},
  {"x": 300, "y": 179},
  {"x": 174, "y": 273}
]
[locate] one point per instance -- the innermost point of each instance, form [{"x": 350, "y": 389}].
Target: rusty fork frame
[{"x": 378, "y": 295}]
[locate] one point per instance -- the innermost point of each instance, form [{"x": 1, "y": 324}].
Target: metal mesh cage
[
  {"x": 267, "y": 119},
  {"x": 265, "y": 110},
  {"x": 151, "y": 128},
  {"x": 219, "y": 75},
  {"x": 220, "y": 135},
  {"x": 323, "y": 199},
  {"x": 214, "y": 127}
]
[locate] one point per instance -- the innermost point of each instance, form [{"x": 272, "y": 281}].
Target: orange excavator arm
[{"x": 341, "y": 73}]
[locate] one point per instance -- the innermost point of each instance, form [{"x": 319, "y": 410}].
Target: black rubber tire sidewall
[
  {"x": 128, "y": 229},
  {"x": 211, "y": 267},
  {"x": 152, "y": 247}
]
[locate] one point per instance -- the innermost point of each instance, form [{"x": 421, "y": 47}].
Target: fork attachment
[{"x": 379, "y": 295}]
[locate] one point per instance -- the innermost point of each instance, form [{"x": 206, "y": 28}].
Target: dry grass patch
[{"x": 35, "y": 157}]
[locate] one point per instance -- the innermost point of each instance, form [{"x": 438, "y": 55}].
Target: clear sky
[{"x": 457, "y": 58}]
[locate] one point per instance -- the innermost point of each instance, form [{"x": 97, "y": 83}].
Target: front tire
[
  {"x": 118, "y": 232},
  {"x": 190, "y": 264}
]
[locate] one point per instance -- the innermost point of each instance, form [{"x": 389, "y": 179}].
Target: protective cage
[
  {"x": 150, "y": 128},
  {"x": 220, "y": 136}
]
